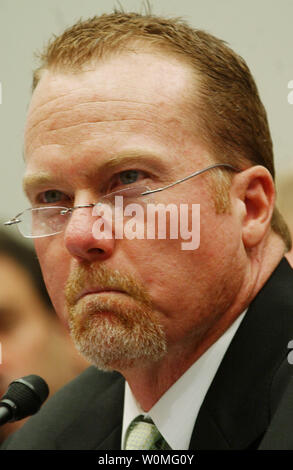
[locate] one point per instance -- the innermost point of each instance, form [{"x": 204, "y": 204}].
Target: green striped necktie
[{"x": 142, "y": 434}]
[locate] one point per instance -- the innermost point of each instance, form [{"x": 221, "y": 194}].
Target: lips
[{"x": 98, "y": 290}]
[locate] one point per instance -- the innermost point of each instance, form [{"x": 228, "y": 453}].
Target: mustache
[{"x": 100, "y": 276}]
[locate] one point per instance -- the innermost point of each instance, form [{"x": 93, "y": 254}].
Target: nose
[{"x": 81, "y": 238}]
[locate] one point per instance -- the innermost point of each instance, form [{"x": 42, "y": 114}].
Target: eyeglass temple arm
[{"x": 190, "y": 176}]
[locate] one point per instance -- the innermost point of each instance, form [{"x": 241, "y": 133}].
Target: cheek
[{"x": 164, "y": 270}]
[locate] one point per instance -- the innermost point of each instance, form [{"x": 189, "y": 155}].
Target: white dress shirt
[{"x": 175, "y": 412}]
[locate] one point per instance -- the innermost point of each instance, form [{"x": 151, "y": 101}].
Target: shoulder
[{"x": 76, "y": 404}]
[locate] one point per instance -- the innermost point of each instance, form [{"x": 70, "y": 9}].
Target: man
[
  {"x": 32, "y": 337},
  {"x": 199, "y": 336}
]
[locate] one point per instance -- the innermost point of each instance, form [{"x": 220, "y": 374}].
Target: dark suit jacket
[{"x": 238, "y": 407}]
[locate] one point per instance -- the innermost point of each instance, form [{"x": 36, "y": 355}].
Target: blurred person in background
[
  {"x": 33, "y": 340},
  {"x": 285, "y": 203}
]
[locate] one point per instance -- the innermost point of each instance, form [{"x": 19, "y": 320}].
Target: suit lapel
[
  {"x": 98, "y": 419},
  {"x": 238, "y": 406}
]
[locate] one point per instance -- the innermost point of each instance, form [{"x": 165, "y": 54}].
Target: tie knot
[{"x": 142, "y": 434}]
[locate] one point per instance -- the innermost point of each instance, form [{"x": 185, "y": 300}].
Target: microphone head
[{"x": 25, "y": 396}]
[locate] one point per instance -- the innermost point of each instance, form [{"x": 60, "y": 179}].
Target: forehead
[
  {"x": 123, "y": 87},
  {"x": 143, "y": 76}
]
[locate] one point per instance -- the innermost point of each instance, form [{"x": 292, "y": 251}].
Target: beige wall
[{"x": 260, "y": 30}]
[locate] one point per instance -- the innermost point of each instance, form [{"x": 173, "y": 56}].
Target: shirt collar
[{"x": 176, "y": 411}]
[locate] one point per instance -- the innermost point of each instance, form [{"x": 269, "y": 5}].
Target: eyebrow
[
  {"x": 33, "y": 180},
  {"x": 134, "y": 156},
  {"x": 42, "y": 178}
]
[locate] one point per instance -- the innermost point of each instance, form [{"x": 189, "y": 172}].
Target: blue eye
[{"x": 129, "y": 176}]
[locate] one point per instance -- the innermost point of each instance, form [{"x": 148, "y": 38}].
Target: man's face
[{"x": 124, "y": 121}]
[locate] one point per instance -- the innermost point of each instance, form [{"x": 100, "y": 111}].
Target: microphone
[{"x": 23, "y": 398}]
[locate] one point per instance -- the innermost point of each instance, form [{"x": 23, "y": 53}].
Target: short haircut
[
  {"x": 229, "y": 113},
  {"x": 26, "y": 258}
]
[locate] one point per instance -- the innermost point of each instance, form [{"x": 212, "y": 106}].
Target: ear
[{"x": 255, "y": 188}]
